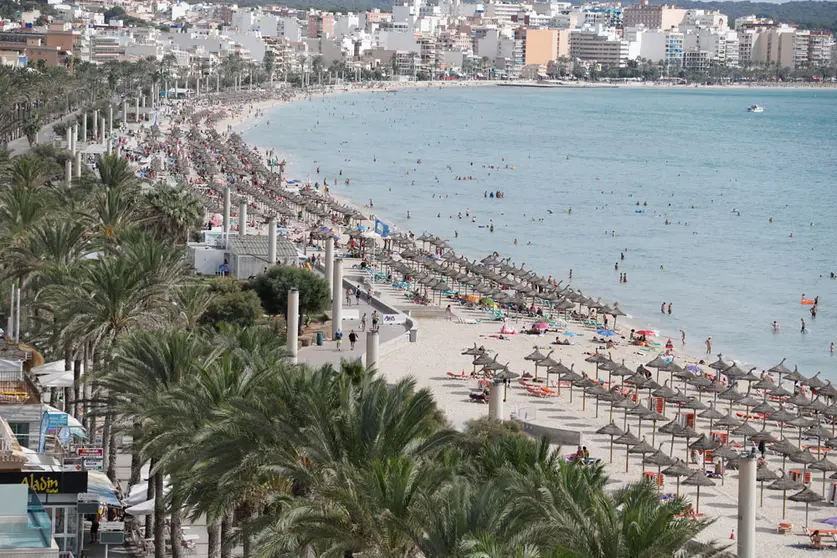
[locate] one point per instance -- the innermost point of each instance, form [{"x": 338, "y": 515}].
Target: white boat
[{"x": 755, "y": 108}]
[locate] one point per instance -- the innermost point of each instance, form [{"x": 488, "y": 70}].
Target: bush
[
  {"x": 232, "y": 304},
  {"x": 273, "y": 285}
]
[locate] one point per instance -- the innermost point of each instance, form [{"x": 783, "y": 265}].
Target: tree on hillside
[{"x": 273, "y": 285}]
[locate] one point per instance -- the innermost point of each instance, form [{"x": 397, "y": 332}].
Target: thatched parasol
[
  {"x": 698, "y": 479},
  {"x": 807, "y": 496},
  {"x": 535, "y": 356},
  {"x": 677, "y": 469},
  {"x": 627, "y": 439},
  {"x": 641, "y": 448},
  {"x": 784, "y": 484},
  {"x": 712, "y": 414},
  {"x": 610, "y": 430},
  {"x": 744, "y": 430},
  {"x": 826, "y": 466},
  {"x": 764, "y": 474}
]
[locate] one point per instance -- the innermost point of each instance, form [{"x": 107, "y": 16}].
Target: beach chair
[
  {"x": 460, "y": 376},
  {"x": 785, "y": 528}
]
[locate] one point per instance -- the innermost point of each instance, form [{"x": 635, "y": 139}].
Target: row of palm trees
[{"x": 281, "y": 459}]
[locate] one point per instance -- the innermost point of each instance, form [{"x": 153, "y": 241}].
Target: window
[{"x": 21, "y": 432}]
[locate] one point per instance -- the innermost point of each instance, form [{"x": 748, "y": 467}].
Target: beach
[{"x": 440, "y": 343}]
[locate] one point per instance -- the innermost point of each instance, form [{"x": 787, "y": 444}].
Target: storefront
[{"x": 58, "y": 492}]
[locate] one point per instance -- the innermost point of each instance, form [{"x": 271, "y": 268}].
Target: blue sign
[
  {"x": 49, "y": 425},
  {"x": 381, "y": 228}
]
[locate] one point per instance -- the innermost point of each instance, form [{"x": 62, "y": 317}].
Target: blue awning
[{"x": 99, "y": 484}]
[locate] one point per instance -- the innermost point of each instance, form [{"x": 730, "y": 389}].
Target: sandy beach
[{"x": 438, "y": 353}]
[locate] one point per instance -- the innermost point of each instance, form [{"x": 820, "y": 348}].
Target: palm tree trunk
[
  {"x": 213, "y": 535},
  {"x": 159, "y": 517},
  {"x": 107, "y": 441},
  {"x": 226, "y": 534},
  {"x": 111, "y": 472},
  {"x": 176, "y": 533},
  {"x": 136, "y": 460},
  {"x": 77, "y": 389},
  {"x": 149, "y": 494}
]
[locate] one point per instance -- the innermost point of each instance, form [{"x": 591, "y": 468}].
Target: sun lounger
[
  {"x": 461, "y": 376},
  {"x": 785, "y": 528},
  {"x": 468, "y": 321}
]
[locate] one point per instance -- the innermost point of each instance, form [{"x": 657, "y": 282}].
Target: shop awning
[{"x": 99, "y": 484}]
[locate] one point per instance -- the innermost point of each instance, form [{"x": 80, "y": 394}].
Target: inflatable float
[{"x": 807, "y": 301}]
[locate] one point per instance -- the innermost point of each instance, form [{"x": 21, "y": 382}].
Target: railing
[{"x": 35, "y": 532}]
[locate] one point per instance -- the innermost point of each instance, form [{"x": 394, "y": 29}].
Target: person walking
[
  {"x": 357, "y": 296},
  {"x": 352, "y": 339},
  {"x": 375, "y": 319},
  {"x": 338, "y": 338},
  {"x": 663, "y": 308},
  {"x": 363, "y": 322},
  {"x": 348, "y": 296},
  {"x": 669, "y": 309},
  {"x": 803, "y": 325},
  {"x": 708, "y": 345},
  {"x": 448, "y": 313}
]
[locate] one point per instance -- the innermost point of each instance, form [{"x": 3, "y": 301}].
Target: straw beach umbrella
[
  {"x": 712, "y": 414},
  {"x": 784, "y": 484},
  {"x": 535, "y": 356},
  {"x": 641, "y": 448},
  {"x": 744, "y": 430},
  {"x": 805, "y": 458},
  {"x": 660, "y": 459},
  {"x": 826, "y": 466},
  {"x": 698, "y": 479},
  {"x": 764, "y": 474},
  {"x": 654, "y": 417},
  {"x": 725, "y": 454},
  {"x": 627, "y": 439},
  {"x": 677, "y": 469},
  {"x": 585, "y": 383},
  {"x": 807, "y": 496},
  {"x": 610, "y": 430},
  {"x": 780, "y": 369},
  {"x": 639, "y": 410}
]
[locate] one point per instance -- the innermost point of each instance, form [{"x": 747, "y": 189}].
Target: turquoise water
[{"x": 692, "y": 155}]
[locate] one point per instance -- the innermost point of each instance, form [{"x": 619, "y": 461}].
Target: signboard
[
  {"x": 49, "y": 482},
  {"x": 90, "y": 452},
  {"x": 94, "y": 464},
  {"x": 381, "y": 228},
  {"x": 112, "y": 526},
  {"x": 50, "y": 422},
  {"x": 111, "y": 537},
  {"x": 393, "y": 319},
  {"x": 72, "y": 464},
  {"x": 88, "y": 497}
]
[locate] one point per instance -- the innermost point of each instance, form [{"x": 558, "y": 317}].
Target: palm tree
[
  {"x": 172, "y": 211},
  {"x": 32, "y": 125}
]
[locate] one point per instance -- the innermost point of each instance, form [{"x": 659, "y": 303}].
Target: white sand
[{"x": 438, "y": 352}]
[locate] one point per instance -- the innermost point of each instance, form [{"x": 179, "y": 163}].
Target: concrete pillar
[
  {"x": 136, "y": 110},
  {"x": 102, "y": 130},
  {"x": 226, "y": 211},
  {"x": 372, "y": 340},
  {"x": 70, "y": 138},
  {"x": 84, "y": 127},
  {"x": 197, "y": 86},
  {"x": 143, "y": 101},
  {"x": 75, "y": 137},
  {"x": 271, "y": 241},
  {"x": 218, "y": 83},
  {"x": 78, "y": 164},
  {"x": 68, "y": 171},
  {"x": 495, "y": 401},
  {"x": 747, "y": 507},
  {"x": 242, "y": 219},
  {"x": 95, "y": 129},
  {"x": 124, "y": 113},
  {"x": 110, "y": 119},
  {"x": 337, "y": 300},
  {"x": 109, "y": 145},
  {"x": 293, "y": 323},
  {"x": 329, "y": 263}
]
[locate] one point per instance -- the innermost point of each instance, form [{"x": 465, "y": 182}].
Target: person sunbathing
[{"x": 816, "y": 540}]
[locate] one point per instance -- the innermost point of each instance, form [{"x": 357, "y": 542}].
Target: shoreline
[{"x": 438, "y": 369}]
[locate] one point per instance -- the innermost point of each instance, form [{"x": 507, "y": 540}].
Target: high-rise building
[
  {"x": 599, "y": 45},
  {"x": 652, "y": 16}
]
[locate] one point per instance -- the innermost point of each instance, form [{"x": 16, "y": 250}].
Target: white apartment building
[
  {"x": 820, "y": 50},
  {"x": 702, "y": 19},
  {"x": 658, "y": 46},
  {"x": 801, "y": 46},
  {"x": 722, "y": 46},
  {"x": 600, "y": 45},
  {"x": 501, "y": 12}
]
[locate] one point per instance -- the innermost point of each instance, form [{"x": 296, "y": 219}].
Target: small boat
[{"x": 755, "y": 108}]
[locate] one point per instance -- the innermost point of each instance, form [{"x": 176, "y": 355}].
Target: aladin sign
[{"x": 49, "y": 482}]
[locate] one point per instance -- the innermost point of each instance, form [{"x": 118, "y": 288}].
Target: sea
[{"x": 727, "y": 215}]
